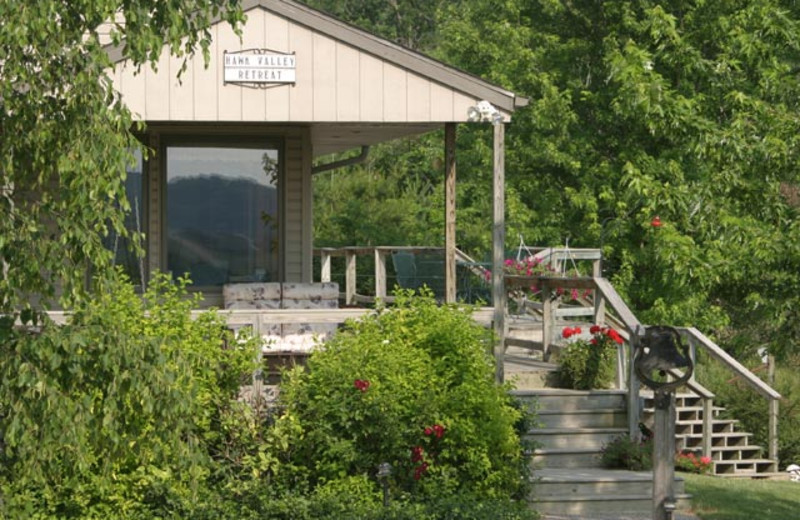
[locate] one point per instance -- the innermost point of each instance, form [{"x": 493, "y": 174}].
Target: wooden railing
[
  {"x": 379, "y": 254},
  {"x": 606, "y": 299},
  {"x": 697, "y": 338}
]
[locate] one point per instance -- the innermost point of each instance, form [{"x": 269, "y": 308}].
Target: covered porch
[{"x": 225, "y": 195}]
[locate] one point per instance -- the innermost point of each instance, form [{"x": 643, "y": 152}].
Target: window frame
[{"x": 213, "y": 294}]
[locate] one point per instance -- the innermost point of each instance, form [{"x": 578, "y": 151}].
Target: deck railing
[{"x": 621, "y": 317}]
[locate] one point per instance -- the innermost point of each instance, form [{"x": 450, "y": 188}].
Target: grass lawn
[{"x": 716, "y": 498}]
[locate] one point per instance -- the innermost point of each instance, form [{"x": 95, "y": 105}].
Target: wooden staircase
[
  {"x": 569, "y": 480},
  {"x": 732, "y": 454}
]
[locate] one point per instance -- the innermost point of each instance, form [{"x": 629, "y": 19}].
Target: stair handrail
[{"x": 756, "y": 383}]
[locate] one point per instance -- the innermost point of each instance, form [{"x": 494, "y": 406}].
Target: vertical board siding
[
  {"x": 181, "y": 92},
  {"x": 335, "y": 83},
  {"x": 277, "y": 38},
  {"x": 230, "y": 96},
  {"x": 418, "y": 98},
  {"x": 347, "y": 83},
  {"x": 325, "y": 69},
  {"x": 133, "y": 89},
  {"x": 254, "y": 100},
  {"x": 441, "y": 103},
  {"x": 206, "y": 85},
  {"x": 394, "y": 94},
  {"x": 370, "y": 78},
  {"x": 157, "y": 101},
  {"x": 301, "y": 95}
]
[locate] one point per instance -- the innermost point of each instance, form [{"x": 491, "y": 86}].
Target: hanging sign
[{"x": 259, "y": 67}]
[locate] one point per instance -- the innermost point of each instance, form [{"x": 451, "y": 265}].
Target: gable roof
[{"x": 382, "y": 49}]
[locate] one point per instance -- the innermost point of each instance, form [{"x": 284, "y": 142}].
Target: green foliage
[
  {"x": 116, "y": 412},
  {"x": 625, "y": 453},
  {"x": 683, "y": 110},
  {"x": 67, "y": 136},
  {"x": 688, "y": 462},
  {"x": 413, "y": 386},
  {"x": 586, "y": 364}
]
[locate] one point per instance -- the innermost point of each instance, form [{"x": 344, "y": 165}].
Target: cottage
[{"x": 227, "y": 196}]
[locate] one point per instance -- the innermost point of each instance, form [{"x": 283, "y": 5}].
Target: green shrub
[
  {"x": 413, "y": 386},
  {"x": 587, "y": 364},
  {"x": 688, "y": 462},
  {"x": 625, "y": 453},
  {"x": 116, "y": 413}
]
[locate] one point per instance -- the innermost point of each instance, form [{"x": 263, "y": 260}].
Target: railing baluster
[{"x": 350, "y": 278}]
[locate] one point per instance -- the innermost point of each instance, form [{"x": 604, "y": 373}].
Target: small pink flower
[
  {"x": 574, "y": 294},
  {"x": 705, "y": 460},
  {"x": 428, "y": 430},
  {"x": 438, "y": 430},
  {"x": 509, "y": 262}
]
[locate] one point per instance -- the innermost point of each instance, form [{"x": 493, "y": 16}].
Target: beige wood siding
[{"x": 336, "y": 82}]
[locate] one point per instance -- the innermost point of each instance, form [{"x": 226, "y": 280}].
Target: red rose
[
  {"x": 416, "y": 453},
  {"x": 567, "y": 332},
  {"x": 594, "y": 329},
  {"x": 438, "y": 430},
  {"x": 428, "y": 430}
]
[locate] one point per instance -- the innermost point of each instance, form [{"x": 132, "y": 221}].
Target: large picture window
[{"x": 222, "y": 213}]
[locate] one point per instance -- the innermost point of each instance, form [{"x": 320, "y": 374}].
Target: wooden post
[
  {"x": 350, "y": 278},
  {"x": 773, "y": 430},
  {"x": 380, "y": 274},
  {"x": 450, "y": 213},
  {"x": 692, "y": 356},
  {"x": 325, "y": 266},
  {"x": 498, "y": 249},
  {"x": 634, "y": 408},
  {"x": 620, "y": 376},
  {"x": 599, "y": 301},
  {"x": 547, "y": 320},
  {"x": 664, "y": 455},
  {"x": 708, "y": 410}
]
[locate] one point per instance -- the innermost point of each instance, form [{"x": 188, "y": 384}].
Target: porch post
[
  {"x": 498, "y": 249},
  {"x": 450, "y": 213}
]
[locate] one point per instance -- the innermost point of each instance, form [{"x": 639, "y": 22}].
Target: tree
[
  {"x": 66, "y": 136},
  {"x": 687, "y": 111}
]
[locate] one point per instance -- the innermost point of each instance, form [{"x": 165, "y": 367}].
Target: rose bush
[{"x": 587, "y": 364}]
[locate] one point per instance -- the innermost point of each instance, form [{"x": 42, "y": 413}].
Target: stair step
[
  {"x": 569, "y": 400},
  {"x": 748, "y": 466},
  {"x": 587, "y": 482},
  {"x": 584, "y": 418},
  {"x": 602, "y": 506},
  {"x": 554, "y": 438},
  {"x": 566, "y": 458}
]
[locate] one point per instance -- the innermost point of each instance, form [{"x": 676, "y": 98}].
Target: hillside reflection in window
[
  {"x": 132, "y": 264},
  {"x": 222, "y": 209}
]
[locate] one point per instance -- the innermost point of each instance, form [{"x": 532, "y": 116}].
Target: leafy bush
[
  {"x": 116, "y": 413},
  {"x": 589, "y": 364},
  {"x": 625, "y": 453},
  {"x": 688, "y": 462},
  {"x": 413, "y": 386}
]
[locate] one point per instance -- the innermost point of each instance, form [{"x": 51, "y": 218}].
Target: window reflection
[
  {"x": 132, "y": 264},
  {"x": 222, "y": 209}
]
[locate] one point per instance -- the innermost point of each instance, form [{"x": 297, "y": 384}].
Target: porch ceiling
[{"x": 329, "y": 138}]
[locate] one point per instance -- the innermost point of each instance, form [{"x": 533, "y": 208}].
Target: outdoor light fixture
[
  {"x": 484, "y": 112},
  {"x": 384, "y": 472}
]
